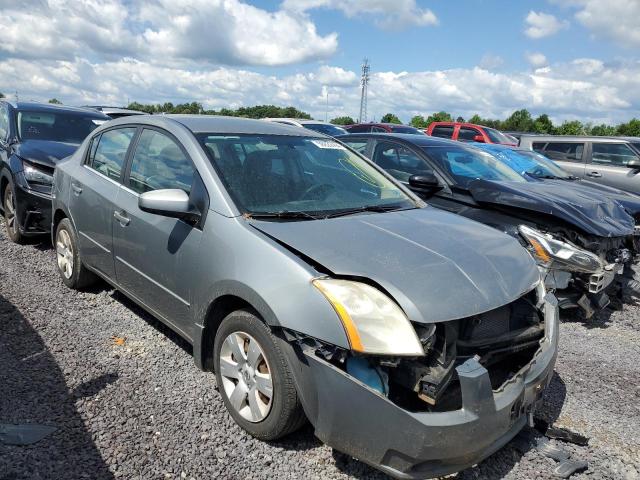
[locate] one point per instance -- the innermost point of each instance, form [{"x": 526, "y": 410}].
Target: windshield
[
  {"x": 55, "y": 127},
  {"x": 531, "y": 163},
  {"x": 327, "y": 129},
  {"x": 411, "y": 130},
  {"x": 467, "y": 164},
  {"x": 275, "y": 174},
  {"x": 499, "y": 137}
]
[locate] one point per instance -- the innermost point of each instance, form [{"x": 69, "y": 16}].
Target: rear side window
[
  {"x": 614, "y": 154},
  {"x": 564, "y": 151},
  {"x": 442, "y": 131},
  {"x": 159, "y": 163},
  {"x": 4, "y": 122},
  {"x": 467, "y": 134},
  {"x": 359, "y": 146},
  {"x": 110, "y": 150}
]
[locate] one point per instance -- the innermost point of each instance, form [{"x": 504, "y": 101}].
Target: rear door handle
[
  {"x": 77, "y": 189},
  {"x": 122, "y": 218},
  {"x": 594, "y": 174}
]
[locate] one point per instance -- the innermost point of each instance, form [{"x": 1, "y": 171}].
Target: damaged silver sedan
[{"x": 314, "y": 286}]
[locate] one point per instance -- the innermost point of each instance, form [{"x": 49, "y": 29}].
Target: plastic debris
[
  {"x": 118, "y": 340},
  {"x": 569, "y": 467},
  {"x": 560, "y": 433},
  {"x": 26, "y": 434}
]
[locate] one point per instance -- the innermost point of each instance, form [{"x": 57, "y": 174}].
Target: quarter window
[
  {"x": 399, "y": 161},
  {"x": 442, "y": 131},
  {"x": 564, "y": 151},
  {"x": 159, "y": 163},
  {"x": 614, "y": 154},
  {"x": 110, "y": 151}
]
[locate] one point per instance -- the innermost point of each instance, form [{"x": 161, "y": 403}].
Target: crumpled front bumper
[{"x": 358, "y": 421}]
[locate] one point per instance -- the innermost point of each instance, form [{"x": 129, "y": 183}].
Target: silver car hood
[{"x": 438, "y": 266}]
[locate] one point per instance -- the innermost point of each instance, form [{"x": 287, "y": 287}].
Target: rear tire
[
  {"x": 10, "y": 216},
  {"x": 73, "y": 273},
  {"x": 243, "y": 342}
]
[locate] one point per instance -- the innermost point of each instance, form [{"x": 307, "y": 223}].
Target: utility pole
[{"x": 364, "y": 83}]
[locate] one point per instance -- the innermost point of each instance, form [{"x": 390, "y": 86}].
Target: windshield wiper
[
  {"x": 285, "y": 214},
  {"x": 367, "y": 208}
]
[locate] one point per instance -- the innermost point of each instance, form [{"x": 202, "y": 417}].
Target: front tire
[
  {"x": 73, "y": 273},
  {"x": 10, "y": 215},
  {"x": 254, "y": 378}
]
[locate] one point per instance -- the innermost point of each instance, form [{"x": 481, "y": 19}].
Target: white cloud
[
  {"x": 536, "y": 59},
  {"x": 226, "y": 32},
  {"x": 612, "y": 19},
  {"x": 387, "y": 14},
  {"x": 540, "y": 24},
  {"x": 584, "y": 88},
  {"x": 490, "y": 61}
]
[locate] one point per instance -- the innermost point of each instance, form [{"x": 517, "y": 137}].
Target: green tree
[
  {"x": 1, "y": 95},
  {"x": 543, "y": 124},
  {"x": 439, "y": 117},
  {"x": 629, "y": 129},
  {"x": 573, "y": 127},
  {"x": 390, "y": 118},
  {"x": 418, "y": 121},
  {"x": 343, "y": 121},
  {"x": 487, "y": 122},
  {"x": 55, "y": 101},
  {"x": 602, "y": 130},
  {"x": 519, "y": 121}
]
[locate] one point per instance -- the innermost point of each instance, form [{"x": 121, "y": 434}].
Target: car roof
[
  {"x": 462, "y": 124},
  {"x": 107, "y": 110},
  {"x": 51, "y": 107},
  {"x": 219, "y": 124},
  {"x": 575, "y": 138},
  {"x": 418, "y": 140}
]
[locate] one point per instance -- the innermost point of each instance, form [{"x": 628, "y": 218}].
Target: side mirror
[
  {"x": 426, "y": 184},
  {"x": 478, "y": 138},
  {"x": 634, "y": 164},
  {"x": 172, "y": 203}
]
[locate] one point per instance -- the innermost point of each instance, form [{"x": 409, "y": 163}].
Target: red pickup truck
[{"x": 469, "y": 132}]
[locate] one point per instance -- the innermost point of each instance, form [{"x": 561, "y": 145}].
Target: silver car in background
[
  {"x": 612, "y": 161},
  {"x": 314, "y": 286}
]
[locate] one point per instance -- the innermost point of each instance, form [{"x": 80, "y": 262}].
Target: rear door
[
  {"x": 608, "y": 165},
  {"x": 468, "y": 134},
  {"x": 94, "y": 191},
  {"x": 569, "y": 155},
  {"x": 156, "y": 255}
]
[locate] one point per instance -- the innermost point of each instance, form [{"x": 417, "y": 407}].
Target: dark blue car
[{"x": 33, "y": 138}]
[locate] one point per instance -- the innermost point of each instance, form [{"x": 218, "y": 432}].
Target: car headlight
[
  {"x": 372, "y": 321},
  {"x": 550, "y": 252},
  {"x": 35, "y": 175}
]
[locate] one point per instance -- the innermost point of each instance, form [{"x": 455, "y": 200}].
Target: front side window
[
  {"x": 55, "y": 126},
  {"x": 442, "y": 131},
  {"x": 399, "y": 161},
  {"x": 159, "y": 163},
  {"x": 467, "y": 134},
  {"x": 564, "y": 151},
  {"x": 109, "y": 154},
  {"x": 614, "y": 154},
  {"x": 268, "y": 174},
  {"x": 465, "y": 164}
]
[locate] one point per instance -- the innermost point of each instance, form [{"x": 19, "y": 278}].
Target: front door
[
  {"x": 609, "y": 166},
  {"x": 94, "y": 189},
  {"x": 156, "y": 255}
]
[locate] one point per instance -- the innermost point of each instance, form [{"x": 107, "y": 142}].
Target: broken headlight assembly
[
  {"x": 34, "y": 175},
  {"x": 373, "y": 323},
  {"x": 552, "y": 253}
]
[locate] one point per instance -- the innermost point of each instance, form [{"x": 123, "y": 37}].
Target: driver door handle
[
  {"x": 594, "y": 174},
  {"x": 122, "y": 218},
  {"x": 77, "y": 189}
]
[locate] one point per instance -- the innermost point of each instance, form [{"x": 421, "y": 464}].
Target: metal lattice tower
[{"x": 364, "y": 83}]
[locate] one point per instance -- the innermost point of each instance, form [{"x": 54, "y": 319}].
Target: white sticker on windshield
[
  {"x": 328, "y": 144},
  {"x": 98, "y": 122}
]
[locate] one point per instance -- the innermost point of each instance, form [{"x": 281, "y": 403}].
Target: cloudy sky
[{"x": 569, "y": 58}]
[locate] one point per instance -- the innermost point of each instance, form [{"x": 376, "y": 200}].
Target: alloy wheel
[
  {"x": 10, "y": 211},
  {"x": 246, "y": 376},
  {"x": 64, "y": 252}
]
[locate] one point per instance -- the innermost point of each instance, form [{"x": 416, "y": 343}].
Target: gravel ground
[{"x": 129, "y": 403}]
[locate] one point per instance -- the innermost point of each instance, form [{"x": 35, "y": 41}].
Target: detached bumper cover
[
  {"x": 356, "y": 420},
  {"x": 33, "y": 210}
]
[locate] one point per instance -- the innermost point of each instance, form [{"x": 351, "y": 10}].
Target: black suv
[{"x": 33, "y": 138}]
